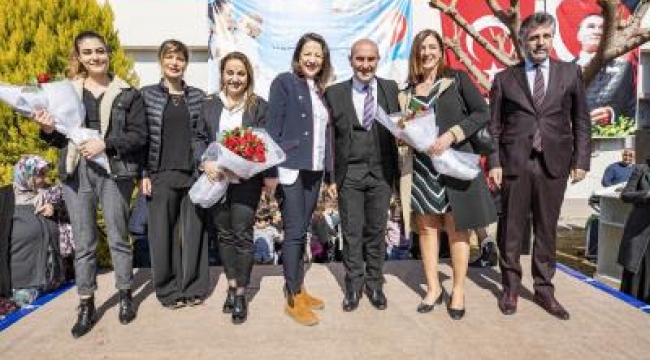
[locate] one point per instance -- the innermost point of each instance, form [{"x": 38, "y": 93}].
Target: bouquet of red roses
[
  {"x": 243, "y": 142},
  {"x": 243, "y": 151}
]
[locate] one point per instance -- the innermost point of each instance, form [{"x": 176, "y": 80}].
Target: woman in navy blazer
[
  {"x": 298, "y": 121},
  {"x": 236, "y": 105}
]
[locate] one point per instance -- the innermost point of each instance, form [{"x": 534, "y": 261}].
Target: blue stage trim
[
  {"x": 632, "y": 301},
  {"x": 24, "y": 311}
]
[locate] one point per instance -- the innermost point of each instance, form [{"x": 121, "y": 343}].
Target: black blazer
[
  {"x": 563, "y": 120},
  {"x": 636, "y": 234},
  {"x": 344, "y": 116},
  {"x": 462, "y": 105},
  {"x": 208, "y": 124}
]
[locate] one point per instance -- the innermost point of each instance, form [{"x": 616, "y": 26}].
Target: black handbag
[{"x": 482, "y": 141}]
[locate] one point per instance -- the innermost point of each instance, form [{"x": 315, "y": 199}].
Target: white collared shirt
[
  {"x": 321, "y": 118},
  {"x": 359, "y": 96},
  {"x": 530, "y": 74},
  {"x": 230, "y": 118}
]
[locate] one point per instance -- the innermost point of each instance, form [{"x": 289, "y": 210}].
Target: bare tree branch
[
  {"x": 511, "y": 18},
  {"x": 619, "y": 36},
  {"x": 610, "y": 20},
  {"x": 451, "y": 11},
  {"x": 454, "y": 45}
]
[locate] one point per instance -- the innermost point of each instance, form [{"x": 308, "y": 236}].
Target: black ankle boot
[
  {"x": 240, "y": 310},
  {"x": 127, "y": 312},
  {"x": 230, "y": 300},
  {"x": 85, "y": 318}
]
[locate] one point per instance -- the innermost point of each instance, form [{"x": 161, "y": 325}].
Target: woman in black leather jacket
[{"x": 115, "y": 110}]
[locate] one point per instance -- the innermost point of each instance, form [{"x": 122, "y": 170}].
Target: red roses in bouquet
[{"x": 243, "y": 142}]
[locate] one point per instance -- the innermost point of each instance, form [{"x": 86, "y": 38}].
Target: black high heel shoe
[
  {"x": 424, "y": 308},
  {"x": 455, "y": 314},
  {"x": 240, "y": 310},
  {"x": 229, "y": 304}
]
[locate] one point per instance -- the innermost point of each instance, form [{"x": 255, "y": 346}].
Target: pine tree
[{"x": 37, "y": 38}]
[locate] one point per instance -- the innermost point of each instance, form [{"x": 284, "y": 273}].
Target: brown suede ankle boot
[
  {"x": 298, "y": 310},
  {"x": 314, "y": 303}
]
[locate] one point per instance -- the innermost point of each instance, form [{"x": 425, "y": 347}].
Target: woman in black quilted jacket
[{"x": 180, "y": 265}]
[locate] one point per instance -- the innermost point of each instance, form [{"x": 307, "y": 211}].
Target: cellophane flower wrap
[
  {"x": 419, "y": 130},
  {"x": 60, "y": 99},
  {"x": 245, "y": 152}
]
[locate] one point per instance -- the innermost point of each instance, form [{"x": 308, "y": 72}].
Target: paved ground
[
  {"x": 575, "y": 213},
  {"x": 601, "y": 327}
]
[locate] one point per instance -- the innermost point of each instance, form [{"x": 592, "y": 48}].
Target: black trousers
[
  {"x": 179, "y": 249},
  {"x": 363, "y": 205},
  {"x": 297, "y": 203},
  {"x": 234, "y": 220},
  {"x": 533, "y": 191}
]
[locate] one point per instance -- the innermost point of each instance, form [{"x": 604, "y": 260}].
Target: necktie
[
  {"x": 368, "y": 108},
  {"x": 538, "y": 99}
]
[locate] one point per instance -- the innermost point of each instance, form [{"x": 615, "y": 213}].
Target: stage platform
[{"x": 601, "y": 326}]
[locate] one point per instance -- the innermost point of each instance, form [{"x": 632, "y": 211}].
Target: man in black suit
[
  {"x": 541, "y": 125},
  {"x": 365, "y": 168}
]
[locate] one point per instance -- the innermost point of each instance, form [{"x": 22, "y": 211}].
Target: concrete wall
[{"x": 144, "y": 25}]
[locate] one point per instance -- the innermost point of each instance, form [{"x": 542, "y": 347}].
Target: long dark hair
[
  {"x": 75, "y": 67},
  {"x": 416, "y": 73},
  {"x": 325, "y": 75},
  {"x": 250, "y": 97}
]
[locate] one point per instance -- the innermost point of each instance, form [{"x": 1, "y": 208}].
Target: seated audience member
[
  {"x": 620, "y": 171},
  {"x": 264, "y": 235},
  {"x": 322, "y": 234},
  {"x": 34, "y": 256},
  {"x": 634, "y": 252},
  {"x": 397, "y": 245}
]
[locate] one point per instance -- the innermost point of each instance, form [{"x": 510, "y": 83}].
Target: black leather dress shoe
[
  {"x": 351, "y": 300},
  {"x": 508, "y": 303},
  {"x": 377, "y": 298},
  {"x": 127, "y": 311},
  {"x": 552, "y": 306},
  {"x": 424, "y": 308},
  {"x": 230, "y": 301},
  {"x": 240, "y": 310},
  {"x": 455, "y": 314},
  {"x": 85, "y": 318}
]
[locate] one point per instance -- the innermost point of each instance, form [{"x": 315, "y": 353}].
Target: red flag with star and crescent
[{"x": 479, "y": 15}]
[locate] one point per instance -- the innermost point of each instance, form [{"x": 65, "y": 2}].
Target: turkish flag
[{"x": 479, "y": 15}]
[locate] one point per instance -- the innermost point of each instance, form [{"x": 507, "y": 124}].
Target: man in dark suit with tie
[
  {"x": 365, "y": 168},
  {"x": 541, "y": 126}
]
